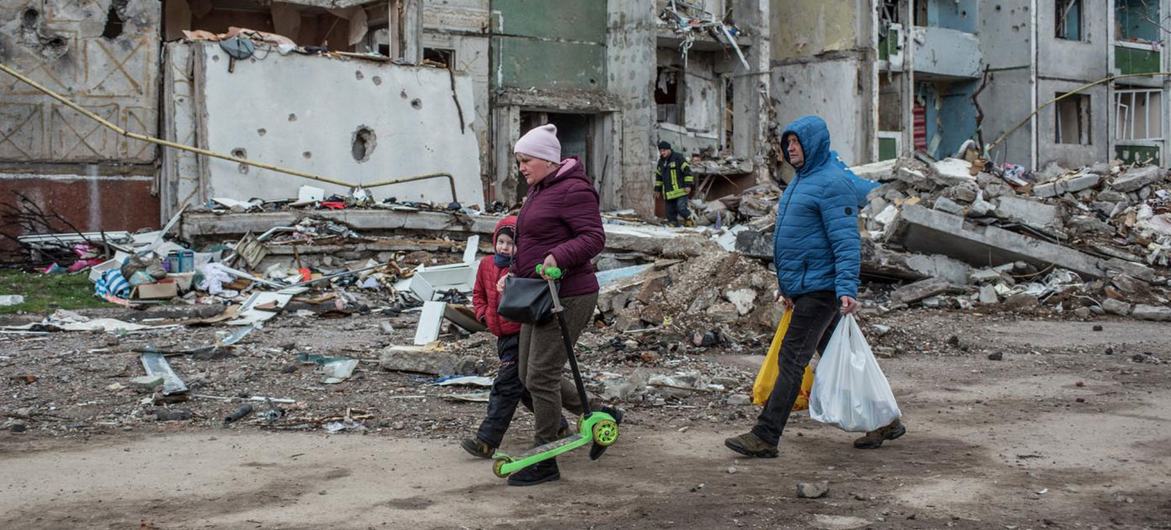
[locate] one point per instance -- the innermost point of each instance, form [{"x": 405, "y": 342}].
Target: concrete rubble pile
[{"x": 1090, "y": 241}]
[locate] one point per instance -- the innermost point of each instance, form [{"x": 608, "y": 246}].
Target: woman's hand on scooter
[{"x": 550, "y": 263}]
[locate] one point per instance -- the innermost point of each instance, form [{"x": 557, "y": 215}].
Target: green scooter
[{"x": 595, "y": 427}]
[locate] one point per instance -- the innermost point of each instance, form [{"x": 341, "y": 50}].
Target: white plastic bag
[{"x": 849, "y": 389}]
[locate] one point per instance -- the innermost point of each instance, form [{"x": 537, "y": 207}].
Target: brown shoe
[
  {"x": 477, "y": 448},
  {"x": 874, "y": 439},
  {"x": 749, "y": 444}
]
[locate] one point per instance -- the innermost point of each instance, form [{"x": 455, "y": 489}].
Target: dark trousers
[
  {"x": 677, "y": 211},
  {"x": 507, "y": 392},
  {"x": 814, "y": 317}
]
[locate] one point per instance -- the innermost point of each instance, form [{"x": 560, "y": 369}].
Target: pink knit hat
[{"x": 540, "y": 142}]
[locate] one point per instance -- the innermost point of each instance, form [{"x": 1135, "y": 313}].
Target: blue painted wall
[
  {"x": 962, "y": 15},
  {"x": 951, "y": 116}
]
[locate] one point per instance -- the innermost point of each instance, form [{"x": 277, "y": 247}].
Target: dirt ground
[{"x": 1072, "y": 429}]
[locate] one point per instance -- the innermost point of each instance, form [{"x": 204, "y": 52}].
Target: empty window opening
[
  {"x": 1073, "y": 119},
  {"x": 363, "y": 143},
  {"x": 439, "y": 56},
  {"x": 114, "y": 21},
  {"x": 667, "y": 92},
  {"x": 1069, "y": 19},
  {"x": 1139, "y": 114}
]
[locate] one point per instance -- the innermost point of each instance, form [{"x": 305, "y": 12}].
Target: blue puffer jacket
[{"x": 816, "y": 246}]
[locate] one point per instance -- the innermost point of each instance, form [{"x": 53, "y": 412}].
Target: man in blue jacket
[{"x": 818, "y": 253}]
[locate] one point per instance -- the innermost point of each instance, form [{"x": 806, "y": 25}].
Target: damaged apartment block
[{"x": 1067, "y": 83}]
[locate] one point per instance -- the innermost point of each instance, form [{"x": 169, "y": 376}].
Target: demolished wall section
[{"x": 406, "y": 118}]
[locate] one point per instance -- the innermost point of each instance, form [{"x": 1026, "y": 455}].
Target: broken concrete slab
[
  {"x": 945, "y": 204},
  {"x": 919, "y": 290},
  {"x": 1131, "y": 287},
  {"x": 954, "y": 171},
  {"x": 1073, "y": 184},
  {"x": 1029, "y": 212},
  {"x": 988, "y": 295},
  {"x": 418, "y": 360},
  {"x": 1137, "y": 178},
  {"x": 920, "y": 229},
  {"x": 984, "y": 276},
  {"x": 755, "y": 244},
  {"x": 206, "y": 227},
  {"x": 1151, "y": 312},
  {"x": 1117, "y": 307},
  {"x": 1089, "y": 224},
  {"x": 937, "y": 266},
  {"x": 1137, "y": 270},
  {"x": 877, "y": 171}
]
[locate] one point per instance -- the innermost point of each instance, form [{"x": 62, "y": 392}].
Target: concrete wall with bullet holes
[{"x": 355, "y": 121}]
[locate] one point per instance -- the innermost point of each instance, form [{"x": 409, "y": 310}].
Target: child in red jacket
[{"x": 507, "y": 389}]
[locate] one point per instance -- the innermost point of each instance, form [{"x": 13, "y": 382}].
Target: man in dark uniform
[{"x": 673, "y": 182}]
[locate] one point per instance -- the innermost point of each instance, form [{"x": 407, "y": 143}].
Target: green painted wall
[
  {"x": 578, "y": 20},
  {"x": 526, "y": 63},
  {"x": 888, "y": 149},
  {"x": 549, "y": 45},
  {"x": 1132, "y": 154},
  {"x": 1135, "y": 61}
]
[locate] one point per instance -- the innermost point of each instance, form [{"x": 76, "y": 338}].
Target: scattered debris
[
  {"x": 157, "y": 366},
  {"x": 812, "y": 490},
  {"x": 240, "y": 413}
]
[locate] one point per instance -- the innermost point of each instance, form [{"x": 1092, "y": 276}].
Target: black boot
[
  {"x": 595, "y": 449},
  {"x": 544, "y": 471}
]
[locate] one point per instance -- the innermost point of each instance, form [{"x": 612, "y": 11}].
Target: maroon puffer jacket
[{"x": 561, "y": 217}]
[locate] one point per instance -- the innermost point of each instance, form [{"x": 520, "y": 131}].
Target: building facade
[{"x": 1040, "y": 81}]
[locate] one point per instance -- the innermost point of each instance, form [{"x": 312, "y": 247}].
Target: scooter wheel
[
  {"x": 498, "y": 468},
  {"x": 605, "y": 433}
]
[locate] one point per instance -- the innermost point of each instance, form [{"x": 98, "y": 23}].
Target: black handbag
[{"x": 526, "y": 300}]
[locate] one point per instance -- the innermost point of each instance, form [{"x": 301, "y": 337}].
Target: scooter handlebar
[{"x": 554, "y": 273}]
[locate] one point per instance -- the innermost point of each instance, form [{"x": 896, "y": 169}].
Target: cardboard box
[{"x": 162, "y": 290}]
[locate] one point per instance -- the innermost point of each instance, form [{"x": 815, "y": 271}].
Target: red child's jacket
[{"x": 485, "y": 297}]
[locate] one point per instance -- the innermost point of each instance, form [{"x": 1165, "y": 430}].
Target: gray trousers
[{"x": 542, "y": 362}]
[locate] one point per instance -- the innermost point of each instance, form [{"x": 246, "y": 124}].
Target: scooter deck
[{"x": 507, "y": 464}]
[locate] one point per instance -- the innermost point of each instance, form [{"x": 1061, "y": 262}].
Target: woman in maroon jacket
[{"x": 560, "y": 225}]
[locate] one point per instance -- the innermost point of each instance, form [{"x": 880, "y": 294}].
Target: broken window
[
  {"x": 1069, "y": 19},
  {"x": 439, "y": 56},
  {"x": 1073, "y": 119},
  {"x": 667, "y": 96},
  {"x": 1139, "y": 114},
  {"x": 1137, "y": 20}
]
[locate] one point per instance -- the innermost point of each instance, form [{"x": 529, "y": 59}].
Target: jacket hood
[
  {"x": 813, "y": 134},
  {"x": 507, "y": 222},
  {"x": 571, "y": 168}
]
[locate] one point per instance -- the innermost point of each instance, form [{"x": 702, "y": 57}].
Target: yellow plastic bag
[{"x": 766, "y": 378}]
